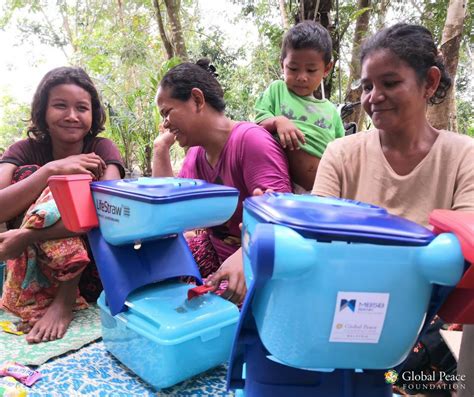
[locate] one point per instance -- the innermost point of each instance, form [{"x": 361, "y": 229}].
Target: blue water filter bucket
[
  {"x": 149, "y": 208},
  {"x": 166, "y": 338},
  {"x": 347, "y": 284}
]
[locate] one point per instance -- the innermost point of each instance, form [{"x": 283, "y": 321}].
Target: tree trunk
[
  {"x": 443, "y": 116},
  {"x": 177, "y": 38},
  {"x": 164, "y": 37},
  {"x": 381, "y": 13},
  {"x": 315, "y": 10},
  {"x": 353, "y": 94},
  {"x": 284, "y": 15}
]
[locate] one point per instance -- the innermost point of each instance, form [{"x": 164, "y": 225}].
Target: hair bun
[{"x": 207, "y": 66}]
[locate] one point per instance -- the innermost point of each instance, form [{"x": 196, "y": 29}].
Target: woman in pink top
[
  {"x": 238, "y": 154},
  {"x": 405, "y": 164}
]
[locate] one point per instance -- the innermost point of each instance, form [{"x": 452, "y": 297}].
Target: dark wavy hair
[
  {"x": 308, "y": 35},
  {"x": 413, "y": 44},
  {"x": 182, "y": 78},
  {"x": 38, "y": 129}
]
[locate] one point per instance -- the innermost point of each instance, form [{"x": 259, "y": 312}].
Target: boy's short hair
[{"x": 308, "y": 35}]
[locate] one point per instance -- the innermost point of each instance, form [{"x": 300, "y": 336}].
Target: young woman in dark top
[{"x": 44, "y": 260}]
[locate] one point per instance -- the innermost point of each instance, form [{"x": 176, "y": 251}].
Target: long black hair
[
  {"x": 414, "y": 45},
  {"x": 181, "y": 79}
]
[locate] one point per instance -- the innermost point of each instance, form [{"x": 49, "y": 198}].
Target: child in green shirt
[{"x": 289, "y": 109}]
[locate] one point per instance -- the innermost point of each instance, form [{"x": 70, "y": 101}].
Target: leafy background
[{"x": 119, "y": 44}]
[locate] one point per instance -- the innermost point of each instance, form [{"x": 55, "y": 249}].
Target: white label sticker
[{"x": 359, "y": 317}]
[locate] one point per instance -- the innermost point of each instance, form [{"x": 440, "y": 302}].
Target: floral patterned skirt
[{"x": 33, "y": 278}]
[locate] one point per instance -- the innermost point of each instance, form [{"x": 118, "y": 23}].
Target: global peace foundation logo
[{"x": 391, "y": 376}]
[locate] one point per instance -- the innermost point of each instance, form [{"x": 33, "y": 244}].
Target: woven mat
[{"x": 84, "y": 328}]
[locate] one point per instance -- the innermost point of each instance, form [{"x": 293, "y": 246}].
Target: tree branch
[
  {"x": 316, "y": 10},
  {"x": 177, "y": 39},
  {"x": 54, "y": 33},
  {"x": 164, "y": 37}
]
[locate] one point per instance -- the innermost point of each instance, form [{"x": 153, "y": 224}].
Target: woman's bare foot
[
  {"x": 53, "y": 325},
  {"x": 55, "y": 322}
]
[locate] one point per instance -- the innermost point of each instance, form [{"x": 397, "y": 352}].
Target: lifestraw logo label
[{"x": 105, "y": 207}]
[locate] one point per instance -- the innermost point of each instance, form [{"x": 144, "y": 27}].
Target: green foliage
[
  {"x": 133, "y": 118},
  {"x": 465, "y": 117},
  {"x": 236, "y": 77},
  {"x": 434, "y": 16},
  {"x": 119, "y": 45},
  {"x": 14, "y": 117},
  {"x": 465, "y": 94},
  {"x": 255, "y": 64},
  {"x": 348, "y": 14}
]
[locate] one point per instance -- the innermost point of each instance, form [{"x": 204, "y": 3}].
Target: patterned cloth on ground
[{"x": 94, "y": 372}]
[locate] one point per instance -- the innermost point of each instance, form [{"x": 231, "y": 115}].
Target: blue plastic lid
[
  {"x": 165, "y": 311},
  {"x": 327, "y": 219},
  {"x": 162, "y": 190}
]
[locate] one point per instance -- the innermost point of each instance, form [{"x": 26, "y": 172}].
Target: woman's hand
[
  {"x": 164, "y": 140},
  {"x": 288, "y": 133},
  {"x": 161, "y": 154},
  {"x": 13, "y": 243},
  {"x": 232, "y": 271},
  {"x": 89, "y": 163},
  {"x": 260, "y": 192}
]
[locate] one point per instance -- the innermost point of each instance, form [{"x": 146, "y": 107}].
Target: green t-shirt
[{"x": 317, "y": 119}]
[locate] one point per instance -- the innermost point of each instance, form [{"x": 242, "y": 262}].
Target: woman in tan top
[{"x": 404, "y": 164}]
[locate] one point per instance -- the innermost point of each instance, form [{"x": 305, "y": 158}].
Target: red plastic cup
[{"x": 73, "y": 197}]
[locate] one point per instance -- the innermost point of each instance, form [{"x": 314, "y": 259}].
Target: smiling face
[
  {"x": 303, "y": 70},
  {"x": 392, "y": 94},
  {"x": 68, "y": 113},
  {"x": 178, "y": 116}
]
